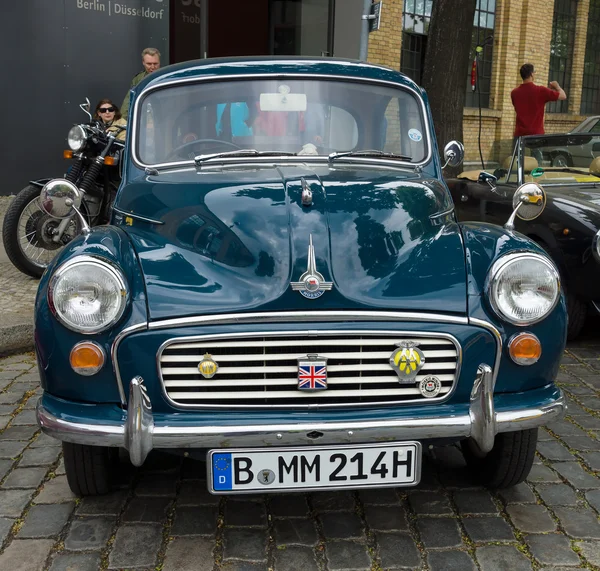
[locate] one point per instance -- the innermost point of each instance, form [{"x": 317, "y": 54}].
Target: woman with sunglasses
[{"x": 109, "y": 115}]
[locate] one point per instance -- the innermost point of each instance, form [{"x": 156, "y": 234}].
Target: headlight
[
  {"x": 76, "y": 138},
  {"x": 596, "y": 246},
  {"x": 87, "y": 295},
  {"x": 523, "y": 288}
]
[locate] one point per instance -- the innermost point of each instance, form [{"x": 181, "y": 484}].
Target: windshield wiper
[
  {"x": 241, "y": 153},
  {"x": 369, "y": 153}
]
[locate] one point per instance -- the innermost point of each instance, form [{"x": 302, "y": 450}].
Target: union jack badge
[{"x": 312, "y": 373}]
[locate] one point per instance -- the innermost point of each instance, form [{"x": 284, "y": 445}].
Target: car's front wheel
[
  {"x": 90, "y": 469},
  {"x": 508, "y": 463}
]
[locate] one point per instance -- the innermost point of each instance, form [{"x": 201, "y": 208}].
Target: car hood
[{"x": 232, "y": 239}]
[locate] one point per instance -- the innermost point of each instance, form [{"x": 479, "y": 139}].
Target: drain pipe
[{"x": 364, "y": 31}]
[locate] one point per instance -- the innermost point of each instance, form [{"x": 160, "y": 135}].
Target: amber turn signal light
[
  {"x": 68, "y": 154},
  {"x": 525, "y": 349},
  {"x": 86, "y": 358},
  {"x": 109, "y": 161}
]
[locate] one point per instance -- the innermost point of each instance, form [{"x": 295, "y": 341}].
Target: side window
[{"x": 595, "y": 127}]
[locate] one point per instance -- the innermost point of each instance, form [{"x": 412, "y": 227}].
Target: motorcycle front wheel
[{"x": 27, "y": 233}]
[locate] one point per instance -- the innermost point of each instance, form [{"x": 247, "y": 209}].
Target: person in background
[
  {"x": 109, "y": 115},
  {"x": 151, "y": 62}
]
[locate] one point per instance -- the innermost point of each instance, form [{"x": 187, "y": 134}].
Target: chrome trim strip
[
  {"x": 296, "y": 316},
  {"x": 414, "y": 428},
  {"x": 113, "y": 355},
  {"x": 315, "y": 334},
  {"x": 497, "y": 335},
  {"x": 443, "y": 213},
  {"x": 137, "y": 216},
  {"x": 300, "y": 75}
]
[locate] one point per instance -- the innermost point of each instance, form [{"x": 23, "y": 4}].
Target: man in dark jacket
[{"x": 151, "y": 62}]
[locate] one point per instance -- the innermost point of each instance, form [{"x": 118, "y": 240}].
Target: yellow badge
[
  {"x": 407, "y": 361},
  {"x": 208, "y": 367}
]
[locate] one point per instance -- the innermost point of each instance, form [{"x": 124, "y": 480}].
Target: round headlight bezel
[
  {"x": 492, "y": 280},
  {"x": 115, "y": 273},
  {"x": 76, "y": 138}
]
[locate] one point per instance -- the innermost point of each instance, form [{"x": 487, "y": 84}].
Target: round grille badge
[
  {"x": 266, "y": 477},
  {"x": 430, "y": 386}
]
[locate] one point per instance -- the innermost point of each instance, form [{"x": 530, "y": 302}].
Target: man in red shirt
[{"x": 529, "y": 101}]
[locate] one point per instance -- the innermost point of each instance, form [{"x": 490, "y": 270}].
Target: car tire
[
  {"x": 508, "y": 463},
  {"x": 561, "y": 160},
  {"x": 89, "y": 469}
]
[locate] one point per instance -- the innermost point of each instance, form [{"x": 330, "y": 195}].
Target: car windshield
[{"x": 295, "y": 116}]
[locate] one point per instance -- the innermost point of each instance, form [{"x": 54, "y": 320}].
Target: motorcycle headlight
[
  {"x": 76, "y": 138},
  {"x": 523, "y": 288},
  {"x": 87, "y": 294}
]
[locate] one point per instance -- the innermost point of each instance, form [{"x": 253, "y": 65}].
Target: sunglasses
[{"x": 106, "y": 109}]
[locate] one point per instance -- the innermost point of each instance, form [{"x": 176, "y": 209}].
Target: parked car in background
[
  {"x": 589, "y": 125},
  {"x": 285, "y": 291},
  {"x": 568, "y": 228}
]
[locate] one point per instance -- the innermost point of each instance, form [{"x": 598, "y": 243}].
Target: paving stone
[
  {"x": 589, "y": 422},
  {"x": 295, "y": 531},
  {"x": 594, "y": 498},
  {"x": 4, "y": 420},
  {"x": 557, "y": 494},
  {"x": 519, "y": 494},
  {"x": 19, "y": 432},
  {"x": 474, "y": 502},
  {"x": 109, "y": 504},
  {"x": 386, "y": 518},
  {"x": 25, "y": 478},
  {"x": 245, "y": 543},
  {"x": 43, "y": 440},
  {"x": 233, "y": 565},
  {"x": 194, "y": 493},
  {"x": 531, "y": 518},
  {"x": 552, "y": 549},
  {"x": 565, "y": 427},
  {"x": 580, "y": 443},
  {"x": 554, "y": 450},
  {"x": 189, "y": 553},
  {"x": 542, "y": 474},
  {"x": 382, "y": 496},
  {"x": 297, "y": 559},
  {"x": 39, "y": 456},
  {"x": 292, "y": 505},
  {"x": 157, "y": 485},
  {"x": 332, "y": 501},
  {"x": 5, "y": 526},
  {"x": 45, "y": 521},
  {"x": 346, "y": 555},
  {"x": 450, "y": 561},
  {"x": 5, "y": 466},
  {"x": 10, "y": 397},
  {"x": 200, "y": 520},
  {"x": 25, "y": 417},
  {"x": 592, "y": 403},
  {"x": 26, "y": 554},
  {"x": 11, "y": 448},
  {"x": 439, "y": 532},
  {"x": 13, "y": 502},
  {"x": 397, "y": 550},
  {"x": 245, "y": 514},
  {"x": 135, "y": 546},
  {"x": 76, "y": 562},
  {"x": 89, "y": 533},
  {"x": 342, "y": 525},
  {"x": 55, "y": 491},
  {"x": 579, "y": 523},
  {"x": 590, "y": 550},
  {"x": 502, "y": 557},
  {"x": 488, "y": 529},
  {"x": 429, "y": 503},
  {"x": 592, "y": 459},
  {"x": 576, "y": 476},
  {"x": 147, "y": 510}
]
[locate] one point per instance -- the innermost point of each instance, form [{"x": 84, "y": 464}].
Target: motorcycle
[{"x": 33, "y": 233}]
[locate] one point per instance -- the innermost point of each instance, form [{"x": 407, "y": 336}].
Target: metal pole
[
  {"x": 364, "y": 31},
  {"x": 204, "y": 29}
]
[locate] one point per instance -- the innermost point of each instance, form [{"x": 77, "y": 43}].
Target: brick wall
[{"x": 385, "y": 44}]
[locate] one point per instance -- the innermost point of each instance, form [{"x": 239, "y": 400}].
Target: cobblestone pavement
[
  {"x": 18, "y": 290},
  {"x": 162, "y": 517}
]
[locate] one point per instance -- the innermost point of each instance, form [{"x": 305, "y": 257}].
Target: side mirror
[
  {"x": 529, "y": 202},
  {"x": 487, "y": 178},
  {"x": 454, "y": 153},
  {"x": 61, "y": 199},
  {"x": 85, "y": 107}
]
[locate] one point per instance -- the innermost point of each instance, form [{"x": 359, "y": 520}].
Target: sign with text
[{"x": 375, "y": 16}]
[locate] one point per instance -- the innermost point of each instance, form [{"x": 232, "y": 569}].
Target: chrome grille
[{"x": 257, "y": 370}]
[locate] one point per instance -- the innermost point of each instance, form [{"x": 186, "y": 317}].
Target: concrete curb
[{"x": 16, "y": 334}]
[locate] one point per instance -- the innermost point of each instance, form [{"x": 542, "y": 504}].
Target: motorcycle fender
[{"x": 40, "y": 182}]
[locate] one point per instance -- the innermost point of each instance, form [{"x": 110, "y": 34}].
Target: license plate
[{"x": 314, "y": 468}]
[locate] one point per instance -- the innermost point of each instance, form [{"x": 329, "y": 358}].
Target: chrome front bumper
[{"x": 140, "y": 435}]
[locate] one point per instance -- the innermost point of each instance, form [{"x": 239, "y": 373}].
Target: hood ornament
[
  {"x": 312, "y": 284},
  {"x": 306, "y": 193},
  {"x": 407, "y": 361}
]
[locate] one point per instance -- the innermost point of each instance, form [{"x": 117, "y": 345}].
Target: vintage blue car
[{"x": 285, "y": 289}]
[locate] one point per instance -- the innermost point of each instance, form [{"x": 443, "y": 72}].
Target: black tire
[
  {"x": 561, "y": 160},
  {"x": 89, "y": 469},
  {"x": 508, "y": 463},
  {"x": 577, "y": 312}
]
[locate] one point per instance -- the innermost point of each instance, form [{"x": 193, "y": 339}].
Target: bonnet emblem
[
  {"x": 312, "y": 284},
  {"x": 306, "y": 193},
  {"x": 407, "y": 361}
]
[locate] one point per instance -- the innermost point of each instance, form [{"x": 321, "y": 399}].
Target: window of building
[
  {"x": 415, "y": 26},
  {"x": 590, "y": 94},
  {"x": 561, "y": 49},
  {"x": 483, "y": 28}
]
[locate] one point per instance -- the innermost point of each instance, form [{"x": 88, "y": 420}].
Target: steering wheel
[{"x": 178, "y": 151}]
